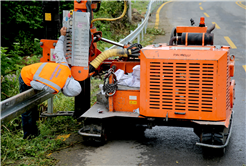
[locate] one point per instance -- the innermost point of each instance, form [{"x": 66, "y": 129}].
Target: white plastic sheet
[{"x": 130, "y": 79}]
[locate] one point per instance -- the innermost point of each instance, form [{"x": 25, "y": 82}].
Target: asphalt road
[{"x": 169, "y": 145}]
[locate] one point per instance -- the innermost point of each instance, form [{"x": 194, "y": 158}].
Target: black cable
[
  {"x": 88, "y": 9},
  {"x": 135, "y": 51},
  {"x": 98, "y": 7},
  {"x": 91, "y": 68},
  {"x": 135, "y": 55}
]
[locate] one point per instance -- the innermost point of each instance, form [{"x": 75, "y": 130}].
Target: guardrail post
[
  {"x": 142, "y": 33},
  {"x": 121, "y": 40},
  {"x": 138, "y": 36},
  {"x": 50, "y": 106},
  {"x": 130, "y": 40}
]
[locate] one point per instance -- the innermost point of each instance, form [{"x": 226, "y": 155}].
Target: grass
[
  {"x": 31, "y": 152},
  {"x": 141, "y": 6},
  {"x": 95, "y": 82}
]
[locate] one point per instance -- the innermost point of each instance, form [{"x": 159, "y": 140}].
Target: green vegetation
[
  {"x": 23, "y": 22},
  {"x": 113, "y": 30},
  {"x": 24, "y": 49},
  {"x": 9, "y": 66},
  {"x": 141, "y": 6}
]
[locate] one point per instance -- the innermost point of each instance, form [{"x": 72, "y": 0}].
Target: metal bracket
[
  {"x": 218, "y": 46},
  {"x": 219, "y": 146},
  {"x": 59, "y": 113},
  {"x": 88, "y": 134}
]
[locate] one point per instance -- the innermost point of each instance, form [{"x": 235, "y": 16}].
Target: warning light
[{"x": 202, "y": 22}]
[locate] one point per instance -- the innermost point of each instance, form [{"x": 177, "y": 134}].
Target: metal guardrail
[
  {"x": 20, "y": 103},
  {"x": 141, "y": 29}
]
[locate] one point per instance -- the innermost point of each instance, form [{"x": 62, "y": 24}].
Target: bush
[
  {"x": 22, "y": 22},
  {"x": 111, "y": 9},
  {"x": 34, "y": 152},
  {"x": 10, "y": 70},
  {"x": 66, "y": 5}
]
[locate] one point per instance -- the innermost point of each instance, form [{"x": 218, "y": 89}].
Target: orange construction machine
[{"x": 185, "y": 83}]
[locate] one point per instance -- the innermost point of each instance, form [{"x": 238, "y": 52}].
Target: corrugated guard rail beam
[
  {"x": 18, "y": 104},
  {"x": 142, "y": 27}
]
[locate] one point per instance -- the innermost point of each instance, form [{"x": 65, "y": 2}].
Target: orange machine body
[
  {"x": 82, "y": 6},
  {"x": 180, "y": 82},
  {"x": 185, "y": 82},
  {"x": 47, "y": 46},
  {"x": 126, "y": 100}
]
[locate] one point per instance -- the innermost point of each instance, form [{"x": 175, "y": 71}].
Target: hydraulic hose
[
  {"x": 131, "y": 51},
  {"x": 112, "y": 19},
  {"x": 177, "y": 38},
  {"x": 209, "y": 30},
  {"x": 106, "y": 54}
]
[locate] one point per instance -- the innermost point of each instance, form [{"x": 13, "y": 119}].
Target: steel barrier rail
[
  {"x": 20, "y": 103},
  {"x": 142, "y": 27}
]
